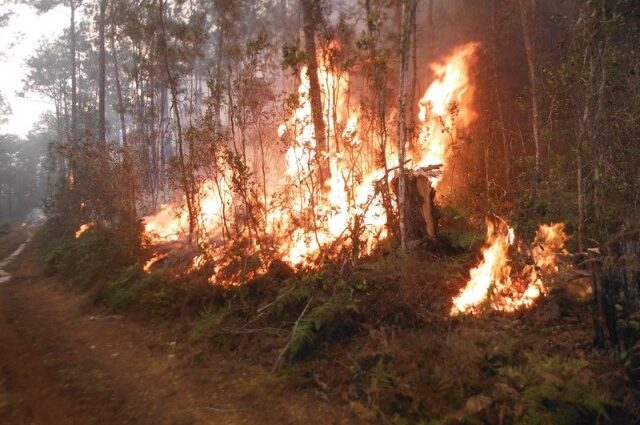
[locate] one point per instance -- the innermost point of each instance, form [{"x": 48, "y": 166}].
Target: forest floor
[
  {"x": 109, "y": 344},
  {"x": 65, "y": 361}
]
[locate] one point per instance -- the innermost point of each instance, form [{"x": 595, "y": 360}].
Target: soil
[{"x": 65, "y": 361}]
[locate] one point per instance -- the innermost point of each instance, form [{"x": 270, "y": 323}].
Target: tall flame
[
  {"x": 306, "y": 223},
  {"x": 445, "y": 104}
]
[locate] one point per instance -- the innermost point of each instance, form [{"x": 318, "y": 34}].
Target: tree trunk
[
  {"x": 116, "y": 73},
  {"x": 401, "y": 125},
  {"x": 414, "y": 68},
  {"x": 421, "y": 215},
  {"x": 531, "y": 62},
  {"x": 581, "y": 237},
  {"x": 379, "y": 89},
  {"x": 102, "y": 132},
  {"x": 310, "y": 12},
  {"x": 431, "y": 32},
  {"x": 74, "y": 100},
  {"x": 427, "y": 193},
  {"x": 123, "y": 127},
  {"x": 173, "y": 86},
  {"x": 496, "y": 81}
]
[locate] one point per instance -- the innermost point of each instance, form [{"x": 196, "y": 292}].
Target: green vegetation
[
  {"x": 97, "y": 256},
  {"x": 377, "y": 338}
]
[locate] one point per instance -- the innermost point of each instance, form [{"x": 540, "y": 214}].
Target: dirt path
[{"x": 64, "y": 362}]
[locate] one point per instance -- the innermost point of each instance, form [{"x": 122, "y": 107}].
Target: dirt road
[{"x": 63, "y": 361}]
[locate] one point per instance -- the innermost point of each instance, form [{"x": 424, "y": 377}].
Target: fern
[
  {"x": 309, "y": 326},
  {"x": 291, "y": 298},
  {"x": 379, "y": 378},
  {"x": 442, "y": 380},
  {"x": 553, "y": 392},
  {"x": 209, "y": 323}
]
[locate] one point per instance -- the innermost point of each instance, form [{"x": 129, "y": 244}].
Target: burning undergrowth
[
  {"x": 498, "y": 282},
  {"x": 332, "y": 205},
  {"x": 338, "y": 206}
]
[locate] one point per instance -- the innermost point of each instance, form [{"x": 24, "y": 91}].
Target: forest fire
[
  {"x": 82, "y": 229},
  {"x": 493, "y": 282},
  {"x": 311, "y": 219},
  {"x": 445, "y": 104},
  {"x": 172, "y": 221},
  {"x": 336, "y": 211}
]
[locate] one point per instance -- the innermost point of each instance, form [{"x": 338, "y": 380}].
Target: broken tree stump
[{"x": 421, "y": 216}]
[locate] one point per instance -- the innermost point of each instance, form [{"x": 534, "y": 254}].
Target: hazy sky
[{"x": 18, "y": 40}]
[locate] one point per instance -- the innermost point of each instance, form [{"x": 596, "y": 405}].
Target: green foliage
[
  {"x": 148, "y": 293},
  {"x": 124, "y": 290},
  {"x": 94, "y": 257},
  {"x": 318, "y": 322},
  {"x": 557, "y": 391},
  {"x": 293, "y": 56},
  {"x": 462, "y": 238},
  {"x": 208, "y": 324},
  {"x": 442, "y": 379},
  {"x": 380, "y": 378},
  {"x": 21, "y": 161},
  {"x": 292, "y": 297},
  {"x": 4, "y": 394}
]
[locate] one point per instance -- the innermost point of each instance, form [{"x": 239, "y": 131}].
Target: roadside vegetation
[{"x": 376, "y": 337}]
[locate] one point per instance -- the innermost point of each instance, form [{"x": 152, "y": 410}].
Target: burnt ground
[{"x": 65, "y": 361}]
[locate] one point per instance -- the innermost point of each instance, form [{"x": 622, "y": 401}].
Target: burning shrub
[
  {"x": 319, "y": 206},
  {"x": 492, "y": 282}
]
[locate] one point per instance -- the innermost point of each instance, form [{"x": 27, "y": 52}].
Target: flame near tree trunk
[
  {"x": 446, "y": 104},
  {"x": 310, "y": 219},
  {"x": 304, "y": 221}
]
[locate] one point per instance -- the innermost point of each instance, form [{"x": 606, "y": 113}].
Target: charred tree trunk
[
  {"x": 311, "y": 16},
  {"x": 427, "y": 192},
  {"x": 421, "y": 213}
]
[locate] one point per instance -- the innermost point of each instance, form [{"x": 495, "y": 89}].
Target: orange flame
[
  {"x": 153, "y": 260},
  {"x": 491, "y": 282},
  {"x": 172, "y": 221},
  {"x": 445, "y": 105},
  {"x": 306, "y": 222},
  {"x": 83, "y": 228}
]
